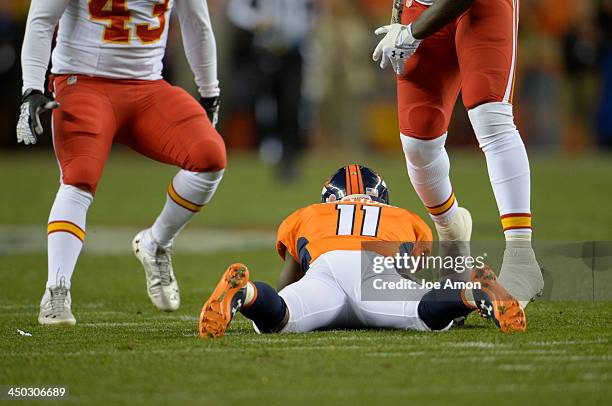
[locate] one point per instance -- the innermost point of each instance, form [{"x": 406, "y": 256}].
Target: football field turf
[{"x": 124, "y": 351}]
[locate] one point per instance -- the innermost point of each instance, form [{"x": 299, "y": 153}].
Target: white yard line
[{"x": 105, "y": 240}]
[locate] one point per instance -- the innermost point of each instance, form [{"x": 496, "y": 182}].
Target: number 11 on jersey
[{"x": 369, "y": 223}]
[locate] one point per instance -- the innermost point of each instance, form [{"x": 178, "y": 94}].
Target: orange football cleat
[
  {"x": 225, "y": 301},
  {"x": 494, "y": 302}
]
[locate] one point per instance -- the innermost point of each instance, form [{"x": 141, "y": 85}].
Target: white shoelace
[
  {"x": 162, "y": 259},
  {"x": 58, "y": 294}
]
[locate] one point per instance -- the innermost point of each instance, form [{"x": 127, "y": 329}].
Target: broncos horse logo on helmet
[{"x": 355, "y": 180}]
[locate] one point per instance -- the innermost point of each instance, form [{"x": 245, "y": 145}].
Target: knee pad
[
  {"x": 207, "y": 155},
  {"x": 426, "y": 160},
  {"x": 427, "y": 121},
  {"x": 421, "y": 153},
  {"x": 494, "y": 127}
]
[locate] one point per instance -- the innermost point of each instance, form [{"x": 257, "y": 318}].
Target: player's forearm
[
  {"x": 291, "y": 272},
  {"x": 36, "y": 51},
  {"x": 437, "y": 16},
  {"x": 200, "y": 45}
]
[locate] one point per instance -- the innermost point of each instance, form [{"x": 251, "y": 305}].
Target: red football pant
[
  {"x": 475, "y": 54},
  {"x": 153, "y": 118}
]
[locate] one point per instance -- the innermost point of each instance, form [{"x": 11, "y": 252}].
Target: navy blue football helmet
[{"x": 355, "y": 180}]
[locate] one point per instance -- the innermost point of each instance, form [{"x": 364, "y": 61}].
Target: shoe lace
[
  {"x": 163, "y": 260},
  {"x": 58, "y": 294}
]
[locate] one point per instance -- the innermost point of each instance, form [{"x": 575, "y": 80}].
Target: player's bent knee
[
  {"x": 207, "y": 155},
  {"x": 82, "y": 174},
  {"x": 424, "y": 122},
  {"x": 474, "y": 102},
  {"x": 480, "y": 89},
  {"x": 494, "y": 126},
  {"x": 421, "y": 153},
  {"x": 295, "y": 311}
]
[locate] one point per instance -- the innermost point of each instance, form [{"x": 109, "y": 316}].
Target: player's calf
[
  {"x": 267, "y": 309},
  {"x": 428, "y": 168},
  {"x": 65, "y": 237},
  {"x": 509, "y": 173},
  {"x": 187, "y": 195}
]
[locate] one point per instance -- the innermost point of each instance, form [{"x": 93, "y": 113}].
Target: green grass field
[{"x": 122, "y": 351}]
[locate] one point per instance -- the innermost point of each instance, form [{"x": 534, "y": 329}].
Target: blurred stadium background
[
  {"x": 563, "y": 103},
  {"x": 301, "y": 97},
  {"x": 292, "y": 112}
]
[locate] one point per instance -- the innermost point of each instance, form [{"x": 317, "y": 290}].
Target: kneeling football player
[{"x": 321, "y": 283}]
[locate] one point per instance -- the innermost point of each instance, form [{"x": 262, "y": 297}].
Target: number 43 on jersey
[{"x": 117, "y": 14}]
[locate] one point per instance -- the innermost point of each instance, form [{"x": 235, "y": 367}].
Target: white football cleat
[
  {"x": 459, "y": 228},
  {"x": 454, "y": 238},
  {"x": 55, "y": 307},
  {"x": 520, "y": 273},
  {"x": 162, "y": 286}
]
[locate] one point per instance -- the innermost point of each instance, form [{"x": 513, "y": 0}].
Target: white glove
[
  {"x": 396, "y": 47},
  {"x": 33, "y": 104}
]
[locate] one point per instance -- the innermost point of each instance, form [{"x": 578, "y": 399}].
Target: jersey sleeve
[
  {"x": 421, "y": 230},
  {"x": 200, "y": 44},
  {"x": 423, "y": 234},
  {"x": 286, "y": 237},
  {"x": 36, "y": 50}
]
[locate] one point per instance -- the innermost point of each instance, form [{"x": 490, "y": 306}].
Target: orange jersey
[{"x": 346, "y": 225}]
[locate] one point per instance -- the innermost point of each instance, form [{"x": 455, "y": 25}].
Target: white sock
[
  {"x": 508, "y": 166},
  {"x": 66, "y": 233},
  {"x": 187, "y": 195},
  {"x": 429, "y": 167},
  {"x": 251, "y": 295}
]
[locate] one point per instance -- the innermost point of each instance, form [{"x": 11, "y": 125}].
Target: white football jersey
[
  {"x": 123, "y": 39},
  {"x": 117, "y": 39}
]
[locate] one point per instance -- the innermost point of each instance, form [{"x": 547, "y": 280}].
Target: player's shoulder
[{"x": 295, "y": 215}]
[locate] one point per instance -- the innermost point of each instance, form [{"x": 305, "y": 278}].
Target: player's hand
[
  {"x": 396, "y": 47},
  {"x": 211, "y": 105},
  {"x": 33, "y": 104}
]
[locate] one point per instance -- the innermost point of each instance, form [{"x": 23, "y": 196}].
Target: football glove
[
  {"x": 211, "y": 105},
  {"x": 33, "y": 104},
  {"x": 396, "y": 47}
]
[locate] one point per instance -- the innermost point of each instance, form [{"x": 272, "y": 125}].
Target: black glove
[
  {"x": 211, "y": 105},
  {"x": 33, "y": 103}
]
